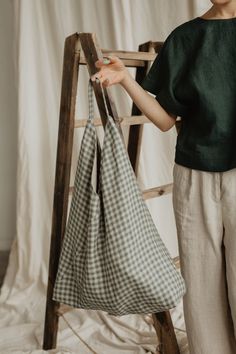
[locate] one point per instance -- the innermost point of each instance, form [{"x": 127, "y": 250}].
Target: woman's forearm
[{"x": 147, "y": 104}]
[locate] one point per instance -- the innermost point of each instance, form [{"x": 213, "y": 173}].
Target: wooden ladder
[{"x": 83, "y": 49}]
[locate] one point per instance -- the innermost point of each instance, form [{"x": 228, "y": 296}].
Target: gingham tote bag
[{"x": 112, "y": 256}]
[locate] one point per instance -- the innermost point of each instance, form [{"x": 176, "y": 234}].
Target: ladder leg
[
  {"x": 62, "y": 179},
  {"x": 136, "y": 131},
  {"x": 165, "y": 332},
  {"x": 50, "y": 323}
]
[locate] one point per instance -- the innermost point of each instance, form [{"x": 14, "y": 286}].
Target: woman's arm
[
  {"x": 115, "y": 72},
  {"x": 148, "y": 104}
]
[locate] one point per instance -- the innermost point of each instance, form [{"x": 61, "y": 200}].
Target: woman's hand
[
  {"x": 115, "y": 71},
  {"x": 112, "y": 71}
]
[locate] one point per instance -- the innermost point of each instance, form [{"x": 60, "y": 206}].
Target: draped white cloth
[{"x": 41, "y": 27}]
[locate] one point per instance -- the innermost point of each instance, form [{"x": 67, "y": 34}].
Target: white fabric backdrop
[
  {"x": 40, "y": 30},
  {"x": 8, "y": 131}
]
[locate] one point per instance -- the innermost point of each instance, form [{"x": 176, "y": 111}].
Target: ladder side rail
[
  {"x": 135, "y": 132},
  {"x": 92, "y": 53},
  {"x": 62, "y": 179}
]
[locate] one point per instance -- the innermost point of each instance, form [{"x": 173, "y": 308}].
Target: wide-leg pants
[{"x": 205, "y": 212}]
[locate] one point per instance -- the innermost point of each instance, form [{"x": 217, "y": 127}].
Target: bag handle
[{"x": 91, "y": 99}]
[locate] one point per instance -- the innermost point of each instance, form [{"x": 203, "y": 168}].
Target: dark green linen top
[{"x": 194, "y": 77}]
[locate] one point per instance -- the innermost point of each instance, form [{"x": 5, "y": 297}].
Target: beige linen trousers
[{"x": 205, "y": 212}]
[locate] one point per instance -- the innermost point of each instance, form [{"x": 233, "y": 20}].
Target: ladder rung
[
  {"x": 176, "y": 261},
  {"x": 131, "y": 55},
  {"x": 125, "y": 120},
  {"x": 128, "y": 63},
  {"x": 157, "y": 191},
  {"x": 132, "y": 59},
  {"x": 149, "y": 193},
  {"x": 128, "y": 55}
]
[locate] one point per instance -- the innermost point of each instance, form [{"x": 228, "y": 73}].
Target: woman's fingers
[
  {"x": 99, "y": 63},
  {"x": 102, "y": 78},
  {"x": 97, "y": 75},
  {"x": 106, "y": 61},
  {"x": 111, "y": 73},
  {"x": 105, "y": 81},
  {"x": 102, "y": 75}
]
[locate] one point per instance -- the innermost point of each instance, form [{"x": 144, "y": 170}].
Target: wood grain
[{"x": 62, "y": 178}]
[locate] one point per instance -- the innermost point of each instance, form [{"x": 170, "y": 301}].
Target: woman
[{"x": 194, "y": 77}]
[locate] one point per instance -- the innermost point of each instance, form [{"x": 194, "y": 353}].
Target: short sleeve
[{"x": 164, "y": 76}]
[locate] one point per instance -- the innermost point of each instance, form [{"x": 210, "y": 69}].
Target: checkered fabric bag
[{"x": 112, "y": 257}]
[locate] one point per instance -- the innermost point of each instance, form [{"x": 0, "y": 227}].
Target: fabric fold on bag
[{"x": 113, "y": 258}]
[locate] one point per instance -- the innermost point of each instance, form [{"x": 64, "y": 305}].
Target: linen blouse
[{"x": 194, "y": 77}]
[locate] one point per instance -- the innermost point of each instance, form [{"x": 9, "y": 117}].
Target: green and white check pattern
[{"x": 112, "y": 257}]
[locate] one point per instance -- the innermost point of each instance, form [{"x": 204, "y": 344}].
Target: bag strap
[{"x": 91, "y": 99}]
